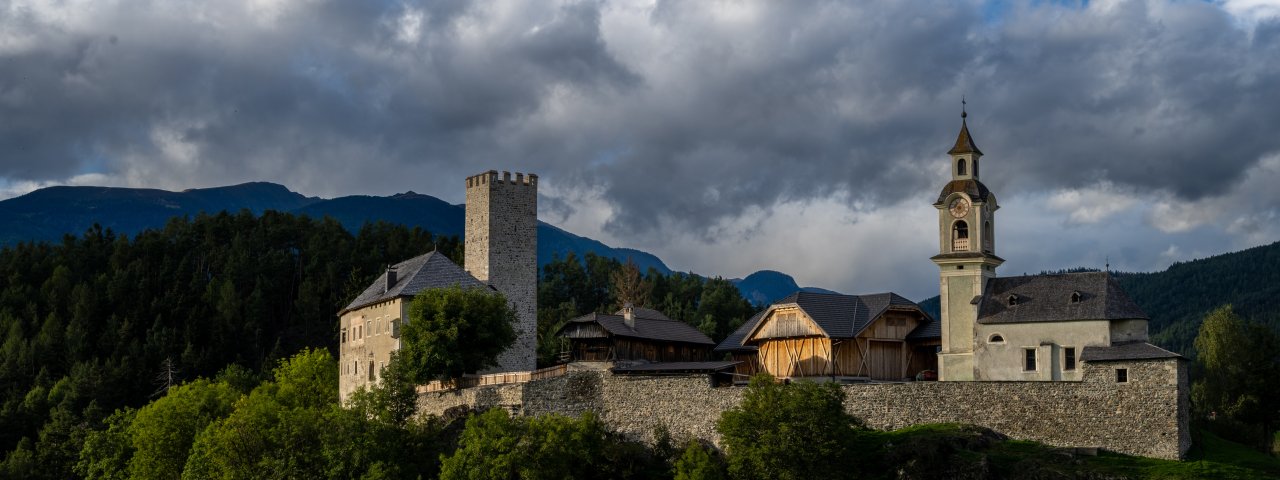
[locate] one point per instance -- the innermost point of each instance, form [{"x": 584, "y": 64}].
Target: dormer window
[
  {"x": 960, "y": 167},
  {"x": 1013, "y": 300},
  {"x": 1075, "y": 297}
]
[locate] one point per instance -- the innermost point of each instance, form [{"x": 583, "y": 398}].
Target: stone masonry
[
  {"x": 1147, "y": 416},
  {"x": 502, "y": 251}
]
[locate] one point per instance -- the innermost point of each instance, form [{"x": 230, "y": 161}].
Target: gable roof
[
  {"x": 432, "y": 270},
  {"x": 646, "y": 328},
  {"x": 1047, "y": 298},
  {"x": 733, "y": 342},
  {"x": 838, "y": 315},
  {"x": 1126, "y": 351}
]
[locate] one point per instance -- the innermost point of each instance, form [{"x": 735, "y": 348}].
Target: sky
[{"x": 726, "y": 137}]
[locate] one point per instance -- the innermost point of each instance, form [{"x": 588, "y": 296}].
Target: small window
[
  {"x": 344, "y": 335},
  {"x": 996, "y": 338},
  {"x": 960, "y": 167},
  {"x": 1069, "y": 358},
  {"x": 1122, "y": 375},
  {"x": 368, "y": 328},
  {"x": 1029, "y": 364},
  {"x": 1075, "y": 297},
  {"x": 959, "y": 267},
  {"x": 1013, "y": 300}
]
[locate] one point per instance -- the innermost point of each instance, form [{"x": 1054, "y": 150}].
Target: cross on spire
[{"x": 963, "y": 113}]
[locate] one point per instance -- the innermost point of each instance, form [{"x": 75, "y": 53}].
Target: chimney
[
  {"x": 390, "y": 278},
  {"x": 628, "y": 316}
]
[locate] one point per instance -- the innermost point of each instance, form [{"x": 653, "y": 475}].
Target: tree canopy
[
  {"x": 1235, "y": 387},
  {"x": 790, "y": 431},
  {"x": 454, "y": 331}
]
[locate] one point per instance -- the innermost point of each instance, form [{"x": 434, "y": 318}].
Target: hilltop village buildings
[{"x": 1025, "y": 328}]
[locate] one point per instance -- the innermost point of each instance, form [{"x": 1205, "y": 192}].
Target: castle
[
  {"x": 501, "y": 254},
  {"x": 1060, "y": 359}
]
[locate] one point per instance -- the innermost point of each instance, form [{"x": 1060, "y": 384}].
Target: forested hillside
[
  {"x": 102, "y": 321},
  {"x": 1178, "y": 298}
]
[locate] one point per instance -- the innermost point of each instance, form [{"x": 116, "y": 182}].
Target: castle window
[
  {"x": 1122, "y": 375},
  {"x": 1013, "y": 300},
  {"x": 1029, "y": 362},
  {"x": 960, "y": 236},
  {"x": 960, "y": 167},
  {"x": 995, "y": 338},
  {"x": 344, "y": 335},
  {"x": 395, "y": 328},
  {"x": 1069, "y": 358},
  {"x": 368, "y": 328},
  {"x": 1075, "y": 297}
]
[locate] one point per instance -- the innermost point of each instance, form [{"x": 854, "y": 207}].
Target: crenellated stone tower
[
  {"x": 502, "y": 251},
  {"x": 966, "y": 254}
]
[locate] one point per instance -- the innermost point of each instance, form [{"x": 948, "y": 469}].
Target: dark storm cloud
[{"x": 686, "y": 113}]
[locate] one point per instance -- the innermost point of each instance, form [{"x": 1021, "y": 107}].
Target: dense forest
[
  {"x": 1178, "y": 298},
  {"x": 104, "y": 321}
]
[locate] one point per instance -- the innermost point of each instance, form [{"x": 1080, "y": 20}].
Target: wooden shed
[
  {"x": 634, "y": 334},
  {"x": 878, "y": 337}
]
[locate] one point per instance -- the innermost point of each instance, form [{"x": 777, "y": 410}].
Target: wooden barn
[
  {"x": 877, "y": 337},
  {"x": 634, "y": 334}
]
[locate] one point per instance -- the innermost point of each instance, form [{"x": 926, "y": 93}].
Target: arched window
[
  {"x": 960, "y": 167},
  {"x": 986, "y": 236},
  {"x": 1075, "y": 297},
  {"x": 975, "y": 167},
  {"x": 995, "y": 338},
  {"x": 960, "y": 236}
]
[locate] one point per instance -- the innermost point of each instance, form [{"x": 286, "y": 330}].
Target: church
[{"x": 1026, "y": 328}]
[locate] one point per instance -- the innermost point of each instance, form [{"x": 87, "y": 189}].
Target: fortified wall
[{"x": 1144, "y": 416}]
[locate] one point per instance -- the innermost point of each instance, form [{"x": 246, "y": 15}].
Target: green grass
[{"x": 952, "y": 450}]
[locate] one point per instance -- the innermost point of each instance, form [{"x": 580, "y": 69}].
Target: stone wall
[{"x": 1145, "y": 416}]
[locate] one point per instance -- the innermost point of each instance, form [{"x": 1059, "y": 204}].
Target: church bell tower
[{"x": 966, "y": 254}]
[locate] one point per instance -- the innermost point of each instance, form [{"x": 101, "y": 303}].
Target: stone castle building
[{"x": 501, "y": 254}]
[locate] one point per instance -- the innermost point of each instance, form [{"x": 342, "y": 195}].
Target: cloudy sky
[{"x": 724, "y": 136}]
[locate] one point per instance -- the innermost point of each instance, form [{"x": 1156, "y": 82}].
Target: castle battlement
[{"x": 492, "y": 177}]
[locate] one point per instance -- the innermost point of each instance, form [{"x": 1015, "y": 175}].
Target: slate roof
[
  {"x": 733, "y": 343},
  {"x": 641, "y": 312},
  {"x": 964, "y": 142},
  {"x": 1126, "y": 351},
  {"x": 646, "y": 328},
  {"x": 414, "y": 275},
  {"x": 676, "y": 367},
  {"x": 838, "y": 315},
  {"x": 973, "y": 188},
  {"x": 1047, "y": 298}
]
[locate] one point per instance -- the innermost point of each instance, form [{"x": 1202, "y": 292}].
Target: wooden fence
[{"x": 469, "y": 381}]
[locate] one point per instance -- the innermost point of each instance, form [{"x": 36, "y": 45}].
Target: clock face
[{"x": 959, "y": 207}]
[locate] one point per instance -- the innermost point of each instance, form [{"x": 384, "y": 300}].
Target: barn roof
[
  {"x": 648, "y": 326},
  {"x": 1049, "y": 298},
  {"x": 432, "y": 270},
  {"x": 838, "y": 315}
]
